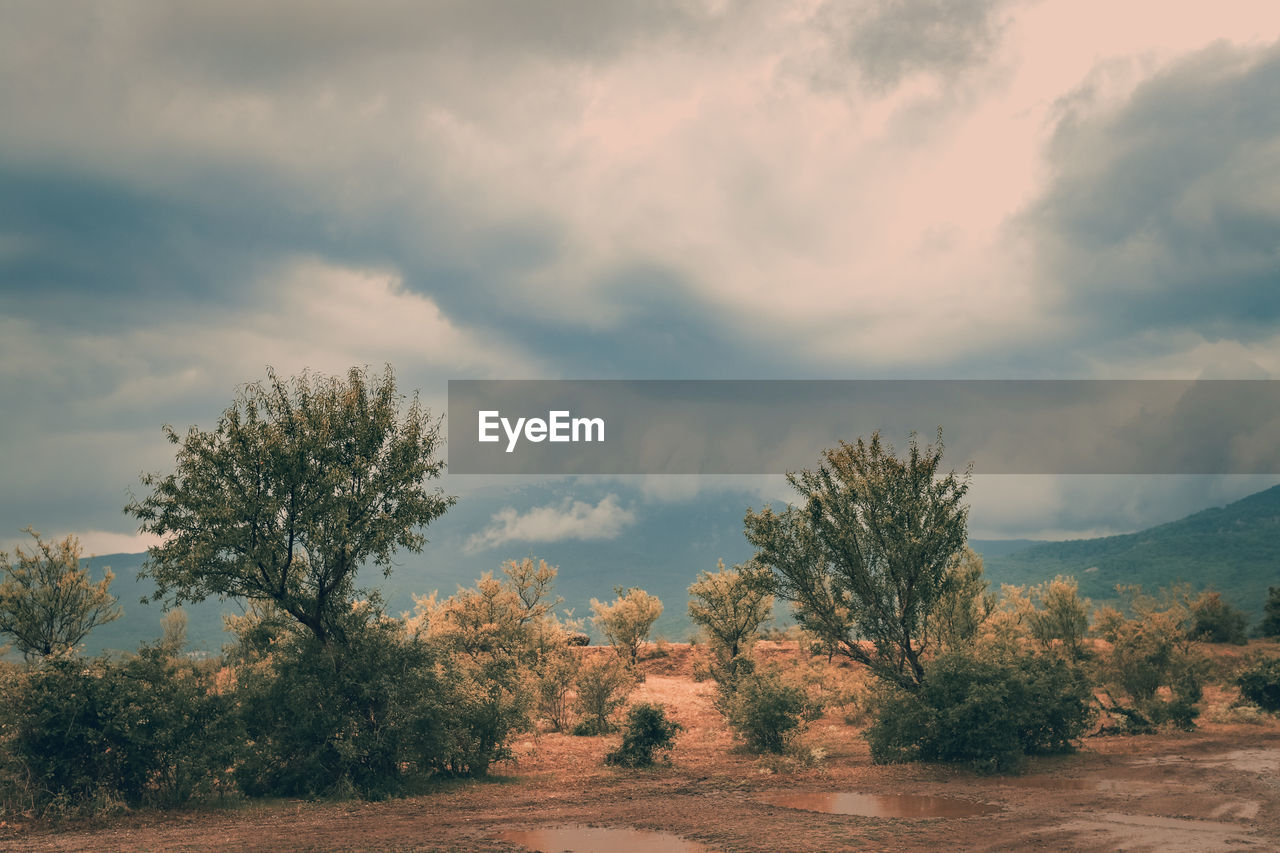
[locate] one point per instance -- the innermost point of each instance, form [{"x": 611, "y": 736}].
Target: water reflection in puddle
[
  {"x": 591, "y": 839},
  {"x": 882, "y": 805}
]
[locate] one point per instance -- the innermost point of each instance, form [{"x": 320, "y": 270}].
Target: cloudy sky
[{"x": 190, "y": 192}]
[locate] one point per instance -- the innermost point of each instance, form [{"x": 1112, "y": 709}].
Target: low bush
[
  {"x": 367, "y": 716},
  {"x": 987, "y": 714},
  {"x": 79, "y": 736},
  {"x": 1260, "y": 684},
  {"x": 647, "y": 730},
  {"x": 1218, "y": 621},
  {"x": 1153, "y": 671},
  {"x": 764, "y": 710},
  {"x": 603, "y": 687}
]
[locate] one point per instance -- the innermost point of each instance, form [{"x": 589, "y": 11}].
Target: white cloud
[
  {"x": 92, "y": 543},
  {"x": 569, "y": 520}
]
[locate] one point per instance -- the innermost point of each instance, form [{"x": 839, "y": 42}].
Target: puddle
[
  {"x": 593, "y": 839},
  {"x": 882, "y": 805}
]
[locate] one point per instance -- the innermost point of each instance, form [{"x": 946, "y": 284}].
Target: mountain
[{"x": 1234, "y": 549}]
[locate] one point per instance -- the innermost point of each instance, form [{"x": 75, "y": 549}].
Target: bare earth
[{"x": 1217, "y": 788}]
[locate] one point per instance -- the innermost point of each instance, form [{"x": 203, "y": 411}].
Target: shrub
[
  {"x": 496, "y": 641},
  {"x": 765, "y": 711},
  {"x": 1152, "y": 649},
  {"x": 964, "y": 605},
  {"x": 986, "y": 714},
  {"x": 370, "y": 716},
  {"x": 47, "y": 602},
  {"x": 1270, "y": 625},
  {"x": 1260, "y": 684},
  {"x": 647, "y": 730},
  {"x": 627, "y": 620},
  {"x": 603, "y": 687},
  {"x": 1217, "y": 621},
  {"x": 1060, "y": 617},
  {"x": 149, "y": 729},
  {"x": 730, "y": 606},
  {"x": 556, "y": 678}
]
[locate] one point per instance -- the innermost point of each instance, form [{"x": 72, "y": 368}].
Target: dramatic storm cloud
[{"x": 191, "y": 191}]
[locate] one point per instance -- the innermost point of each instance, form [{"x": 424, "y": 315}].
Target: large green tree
[
  {"x": 301, "y": 483},
  {"x": 48, "y": 605},
  {"x": 869, "y": 552}
]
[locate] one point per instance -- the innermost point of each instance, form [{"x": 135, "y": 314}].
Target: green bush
[
  {"x": 1217, "y": 621},
  {"x": 986, "y": 714},
  {"x": 371, "y": 715},
  {"x": 1151, "y": 649},
  {"x": 149, "y": 729},
  {"x": 1260, "y": 684},
  {"x": 1270, "y": 624},
  {"x": 647, "y": 730},
  {"x": 603, "y": 687},
  {"x": 765, "y": 711}
]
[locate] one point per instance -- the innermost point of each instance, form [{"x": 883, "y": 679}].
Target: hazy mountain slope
[{"x": 1235, "y": 549}]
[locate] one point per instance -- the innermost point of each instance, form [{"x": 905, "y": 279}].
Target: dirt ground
[{"x": 1217, "y": 788}]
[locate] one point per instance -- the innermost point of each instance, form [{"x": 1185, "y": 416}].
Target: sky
[{"x": 192, "y": 191}]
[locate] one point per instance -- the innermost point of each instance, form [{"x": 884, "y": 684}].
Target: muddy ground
[{"x": 1217, "y": 788}]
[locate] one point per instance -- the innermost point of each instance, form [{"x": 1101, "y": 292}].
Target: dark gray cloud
[
  {"x": 168, "y": 171},
  {"x": 267, "y": 41},
  {"x": 888, "y": 40},
  {"x": 1163, "y": 213}
]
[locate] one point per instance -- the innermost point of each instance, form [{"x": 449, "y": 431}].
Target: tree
[
  {"x": 48, "y": 605},
  {"x": 626, "y": 622},
  {"x": 1154, "y": 648},
  {"x": 301, "y": 483},
  {"x": 1060, "y": 616},
  {"x": 866, "y": 556},
  {"x": 964, "y": 606},
  {"x": 731, "y": 607},
  {"x": 1270, "y": 625},
  {"x": 1218, "y": 621}
]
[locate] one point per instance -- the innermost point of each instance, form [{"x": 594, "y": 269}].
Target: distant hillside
[
  {"x": 1234, "y": 549},
  {"x": 141, "y": 622}
]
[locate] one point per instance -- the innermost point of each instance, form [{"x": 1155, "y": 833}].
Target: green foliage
[
  {"x": 982, "y": 712},
  {"x": 868, "y": 553},
  {"x": 647, "y": 730},
  {"x": 764, "y": 710},
  {"x": 964, "y": 604},
  {"x": 1260, "y": 684},
  {"x": 558, "y": 675},
  {"x": 1059, "y": 618},
  {"x": 1270, "y": 625},
  {"x": 1217, "y": 621},
  {"x": 150, "y": 729},
  {"x": 372, "y": 715},
  {"x": 603, "y": 687},
  {"x": 498, "y": 640},
  {"x": 730, "y": 606},
  {"x": 626, "y": 621},
  {"x": 1149, "y": 650},
  {"x": 47, "y": 602},
  {"x": 301, "y": 482}
]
